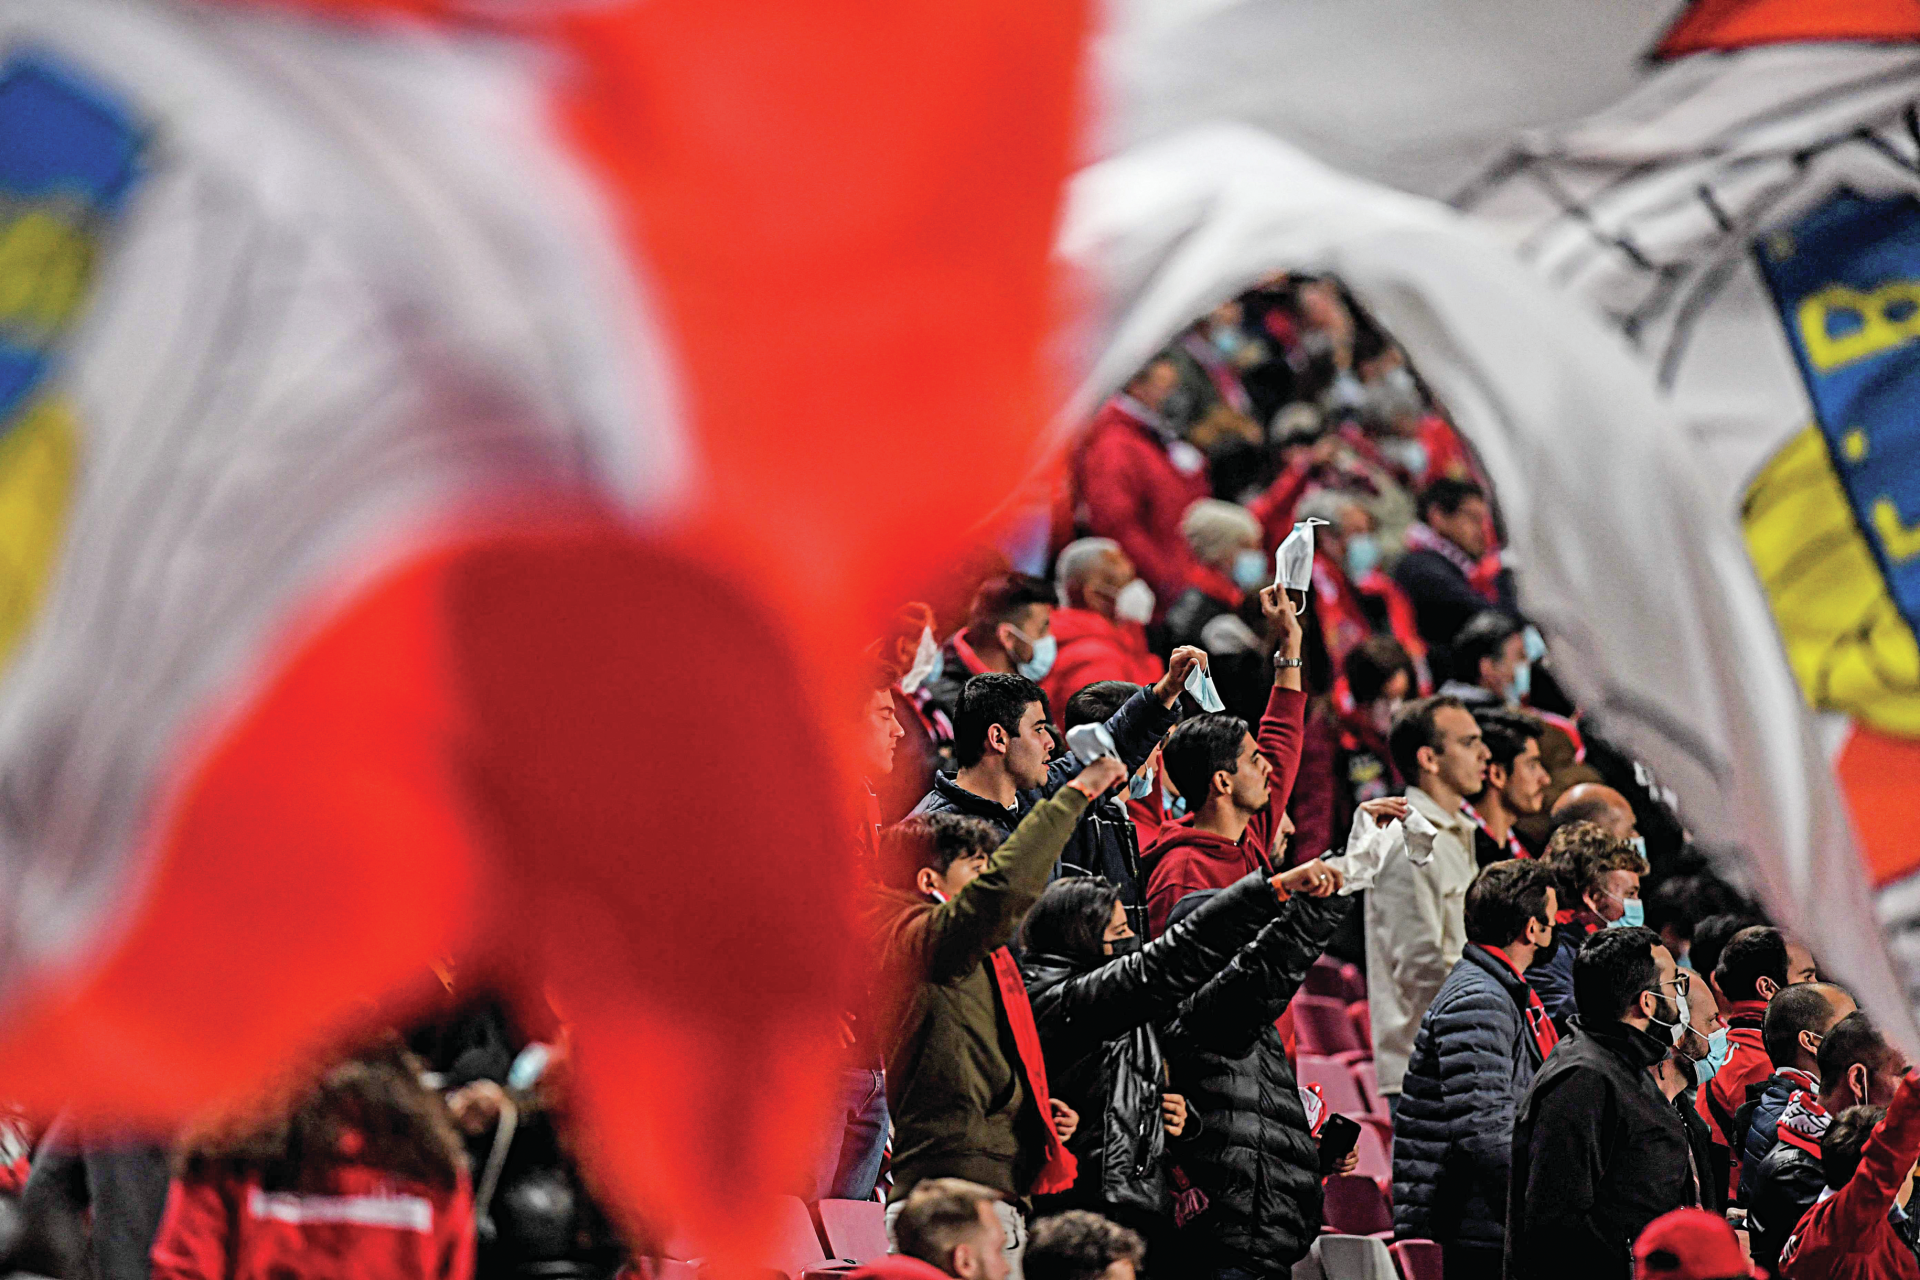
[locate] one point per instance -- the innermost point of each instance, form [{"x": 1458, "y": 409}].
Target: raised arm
[
  {"x": 1145, "y": 987},
  {"x": 1225, "y": 1016},
  {"x": 1283, "y": 726},
  {"x": 1884, "y": 1164},
  {"x": 956, "y": 936},
  {"x": 1141, "y": 721}
]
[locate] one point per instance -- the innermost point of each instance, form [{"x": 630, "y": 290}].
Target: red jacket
[
  {"x": 1092, "y": 648},
  {"x": 371, "y": 1226},
  {"x": 1846, "y": 1236},
  {"x": 1130, "y": 490},
  {"x": 1746, "y": 1063},
  {"x": 1182, "y": 860}
]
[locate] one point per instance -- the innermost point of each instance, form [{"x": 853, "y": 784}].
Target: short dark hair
[
  {"x": 1683, "y": 902},
  {"x": 1507, "y": 734},
  {"x": 986, "y": 700},
  {"x": 1449, "y": 494},
  {"x": 1791, "y": 1011},
  {"x": 1482, "y": 637},
  {"x": 1852, "y": 1041},
  {"x": 1503, "y": 897},
  {"x": 1711, "y": 935},
  {"x": 1198, "y": 749},
  {"x": 1845, "y": 1141},
  {"x": 1079, "y": 1245},
  {"x": 1370, "y": 665},
  {"x": 938, "y": 1216},
  {"x": 932, "y": 840},
  {"x": 1610, "y": 971},
  {"x": 1070, "y": 919},
  {"x": 1096, "y": 703},
  {"x": 1756, "y": 952},
  {"x": 1414, "y": 728},
  {"x": 1004, "y": 599}
]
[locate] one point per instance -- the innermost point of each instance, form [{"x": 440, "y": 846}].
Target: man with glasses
[{"x": 1598, "y": 1152}]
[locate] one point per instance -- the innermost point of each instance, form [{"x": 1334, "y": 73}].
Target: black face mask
[
  {"x": 1544, "y": 954},
  {"x": 1125, "y": 946}
]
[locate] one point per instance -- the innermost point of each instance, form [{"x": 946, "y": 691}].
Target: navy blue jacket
[
  {"x": 1763, "y": 1126},
  {"x": 1552, "y": 978},
  {"x": 1453, "y": 1133}
]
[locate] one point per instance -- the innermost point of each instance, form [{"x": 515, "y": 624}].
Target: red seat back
[
  {"x": 1324, "y": 978},
  {"x": 1355, "y": 1207},
  {"x": 1322, "y": 1025},
  {"x": 1337, "y": 1089},
  {"x": 1374, "y": 1163},
  {"x": 1418, "y": 1259},
  {"x": 1361, "y": 1019},
  {"x": 854, "y": 1229},
  {"x": 1367, "y": 1081},
  {"x": 1356, "y": 982}
]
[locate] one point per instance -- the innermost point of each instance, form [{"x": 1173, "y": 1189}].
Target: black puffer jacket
[
  {"x": 1106, "y": 844},
  {"x": 1254, "y": 1158},
  {"x": 1103, "y": 1055},
  {"x": 1785, "y": 1186},
  {"x": 1453, "y": 1133}
]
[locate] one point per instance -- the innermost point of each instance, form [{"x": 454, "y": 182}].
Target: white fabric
[
  {"x": 400, "y": 1212},
  {"x": 1624, "y": 551},
  {"x": 1369, "y": 845}
]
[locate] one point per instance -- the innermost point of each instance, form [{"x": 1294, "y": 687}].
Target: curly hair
[{"x": 1582, "y": 853}]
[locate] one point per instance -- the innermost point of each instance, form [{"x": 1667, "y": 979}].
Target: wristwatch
[{"x": 1279, "y": 661}]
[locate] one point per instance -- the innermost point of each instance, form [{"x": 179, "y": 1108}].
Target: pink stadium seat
[
  {"x": 1323, "y": 1028},
  {"x": 1374, "y": 1163},
  {"x": 1324, "y": 978},
  {"x": 1355, "y": 1207},
  {"x": 854, "y": 1229},
  {"x": 1418, "y": 1259},
  {"x": 1356, "y": 982},
  {"x": 1367, "y": 1080},
  {"x": 1362, "y": 1020},
  {"x": 1336, "y": 1083}
]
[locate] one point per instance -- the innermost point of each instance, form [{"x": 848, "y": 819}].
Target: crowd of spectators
[{"x": 1104, "y": 836}]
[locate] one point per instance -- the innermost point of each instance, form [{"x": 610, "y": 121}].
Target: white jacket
[{"x": 1416, "y": 930}]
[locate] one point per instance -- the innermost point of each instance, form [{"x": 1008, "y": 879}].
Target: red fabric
[
  {"x": 1148, "y": 815},
  {"x": 1545, "y": 1034},
  {"x": 1130, "y": 491},
  {"x": 1059, "y": 1169},
  {"x": 1274, "y": 508},
  {"x": 223, "y": 1229},
  {"x": 1400, "y": 623},
  {"x": 1314, "y": 800},
  {"x": 1847, "y": 1235},
  {"x": 1092, "y": 648},
  {"x": 1746, "y": 1063},
  {"x": 1343, "y": 620},
  {"x": 1736, "y": 24},
  {"x": 1447, "y": 454},
  {"x": 1183, "y": 860},
  {"x": 897, "y": 1266}
]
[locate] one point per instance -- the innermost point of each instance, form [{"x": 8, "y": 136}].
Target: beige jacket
[{"x": 1416, "y": 930}]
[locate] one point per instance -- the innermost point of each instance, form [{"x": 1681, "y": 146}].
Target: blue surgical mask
[
  {"x": 1174, "y": 806},
  {"x": 1718, "y": 1050},
  {"x": 1522, "y": 682},
  {"x": 1633, "y": 915},
  {"x": 1639, "y": 844},
  {"x": 1250, "y": 570},
  {"x": 1044, "y": 651},
  {"x": 1363, "y": 553},
  {"x": 1142, "y": 785}
]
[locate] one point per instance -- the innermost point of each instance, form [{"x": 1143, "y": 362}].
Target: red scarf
[
  {"x": 1514, "y": 848},
  {"x": 1058, "y": 1173},
  {"x": 1545, "y": 1034}
]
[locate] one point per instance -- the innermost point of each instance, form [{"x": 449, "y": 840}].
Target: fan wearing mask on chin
[
  {"x": 1599, "y": 877},
  {"x": 1598, "y": 1150},
  {"x": 1097, "y": 993},
  {"x": 1698, "y": 1056},
  {"x": 1099, "y": 625}
]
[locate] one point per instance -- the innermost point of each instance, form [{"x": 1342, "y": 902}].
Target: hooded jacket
[
  {"x": 1255, "y": 1157},
  {"x": 1094, "y": 648},
  {"x": 1747, "y": 1063},
  {"x": 1788, "y": 1179},
  {"x": 1598, "y": 1153},
  {"x": 1758, "y": 1119},
  {"x": 1183, "y": 860},
  {"x": 1453, "y": 1132},
  {"x": 1847, "y": 1235},
  {"x": 1103, "y": 1054},
  {"x": 956, "y": 1089}
]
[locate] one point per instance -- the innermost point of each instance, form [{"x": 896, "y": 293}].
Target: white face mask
[
  {"x": 1135, "y": 602},
  {"x": 926, "y": 661}
]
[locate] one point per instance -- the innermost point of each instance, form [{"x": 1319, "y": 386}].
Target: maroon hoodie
[{"x": 1181, "y": 860}]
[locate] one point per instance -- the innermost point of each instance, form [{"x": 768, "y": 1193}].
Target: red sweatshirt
[
  {"x": 1182, "y": 860},
  {"x": 1132, "y": 488},
  {"x": 371, "y": 1226},
  {"x": 1846, "y": 1236},
  {"x": 1092, "y": 648}
]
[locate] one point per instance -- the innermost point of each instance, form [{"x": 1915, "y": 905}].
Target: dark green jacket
[{"x": 958, "y": 1096}]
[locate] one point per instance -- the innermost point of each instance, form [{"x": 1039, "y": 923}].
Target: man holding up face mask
[{"x": 1598, "y": 1150}]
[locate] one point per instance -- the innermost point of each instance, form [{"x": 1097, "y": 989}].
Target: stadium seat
[
  {"x": 1351, "y": 1257},
  {"x": 854, "y": 1229},
  {"x": 1355, "y": 1207},
  {"x": 1323, "y": 1028},
  {"x": 1375, "y": 1160},
  {"x": 1367, "y": 1081},
  {"x": 1418, "y": 1259},
  {"x": 1324, "y": 978},
  {"x": 1337, "y": 1089},
  {"x": 1362, "y": 1019},
  {"x": 1356, "y": 982}
]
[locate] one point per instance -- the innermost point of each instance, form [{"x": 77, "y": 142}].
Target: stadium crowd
[{"x": 1135, "y": 1008}]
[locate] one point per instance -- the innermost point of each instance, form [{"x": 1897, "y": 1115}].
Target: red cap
[{"x": 1690, "y": 1244}]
